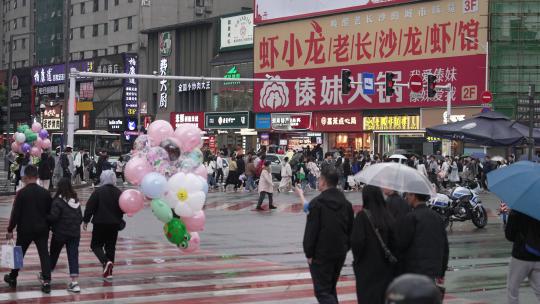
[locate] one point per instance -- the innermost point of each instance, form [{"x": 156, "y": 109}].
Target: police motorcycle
[{"x": 460, "y": 205}]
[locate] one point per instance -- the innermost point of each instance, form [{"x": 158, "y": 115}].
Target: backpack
[
  {"x": 224, "y": 163},
  {"x": 532, "y": 242},
  {"x": 260, "y": 168},
  {"x": 300, "y": 174}
]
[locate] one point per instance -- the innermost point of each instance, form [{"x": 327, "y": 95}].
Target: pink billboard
[{"x": 322, "y": 89}]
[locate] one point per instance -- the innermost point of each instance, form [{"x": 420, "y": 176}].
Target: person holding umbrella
[{"x": 518, "y": 186}]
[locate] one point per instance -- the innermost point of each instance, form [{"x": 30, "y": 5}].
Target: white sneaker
[
  {"x": 125, "y": 183},
  {"x": 74, "y": 287},
  {"x": 83, "y": 182}
]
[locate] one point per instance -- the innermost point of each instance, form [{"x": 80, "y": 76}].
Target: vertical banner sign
[
  {"x": 165, "y": 48},
  {"x": 131, "y": 89},
  {"x": 442, "y": 38}
]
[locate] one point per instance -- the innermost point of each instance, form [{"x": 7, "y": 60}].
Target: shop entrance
[{"x": 387, "y": 143}]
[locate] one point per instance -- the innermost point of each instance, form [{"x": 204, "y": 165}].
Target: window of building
[
  {"x": 106, "y": 51},
  {"x": 116, "y": 2},
  {"x": 82, "y": 32},
  {"x": 95, "y": 29},
  {"x": 14, "y": 45},
  {"x": 23, "y": 21},
  {"x": 105, "y": 4},
  {"x": 23, "y": 2},
  {"x": 81, "y": 55},
  {"x": 130, "y": 47},
  {"x": 71, "y": 10},
  {"x": 15, "y": 23},
  {"x": 58, "y": 36},
  {"x": 83, "y": 8},
  {"x": 130, "y": 23},
  {"x": 105, "y": 29},
  {"x": 96, "y": 5},
  {"x": 115, "y": 48},
  {"x": 95, "y": 53},
  {"x": 71, "y": 34},
  {"x": 116, "y": 22},
  {"x": 24, "y": 63},
  {"x": 23, "y": 43}
]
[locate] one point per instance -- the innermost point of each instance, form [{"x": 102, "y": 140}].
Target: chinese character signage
[
  {"x": 54, "y": 74},
  {"x": 53, "y": 118},
  {"x": 233, "y": 73},
  {"x": 163, "y": 84},
  {"x": 86, "y": 91},
  {"x": 193, "y": 118},
  {"x": 392, "y": 123},
  {"x": 131, "y": 89},
  {"x": 263, "y": 121},
  {"x": 112, "y": 64},
  {"x": 280, "y": 10},
  {"x": 416, "y": 39},
  {"x": 227, "y": 120},
  {"x": 291, "y": 121},
  {"x": 337, "y": 121},
  {"x": 237, "y": 31},
  {"x": 194, "y": 86},
  {"x": 116, "y": 124}
]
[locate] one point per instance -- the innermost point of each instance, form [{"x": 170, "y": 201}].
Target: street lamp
[
  {"x": 10, "y": 68},
  {"x": 486, "y": 49}
]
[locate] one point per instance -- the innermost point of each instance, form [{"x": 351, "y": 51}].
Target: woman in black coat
[
  {"x": 372, "y": 270},
  {"x": 45, "y": 170}
]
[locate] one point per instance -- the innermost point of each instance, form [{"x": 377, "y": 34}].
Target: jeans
[
  {"x": 219, "y": 175},
  {"x": 250, "y": 184},
  {"x": 518, "y": 270},
  {"x": 261, "y": 198},
  {"x": 43, "y": 252},
  {"x": 312, "y": 181},
  {"x": 103, "y": 242},
  {"x": 72, "y": 250},
  {"x": 211, "y": 180},
  {"x": 80, "y": 172},
  {"x": 325, "y": 275}
]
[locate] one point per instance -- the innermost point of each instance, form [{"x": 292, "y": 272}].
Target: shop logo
[
  {"x": 14, "y": 83},
  {"x": 274, "y": 95},
  {"x": 165, "y": 43},
  {"x": 132, "y": 125},
  {"x": 233, "y": 74}
]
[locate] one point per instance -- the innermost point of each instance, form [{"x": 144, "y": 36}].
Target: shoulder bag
[{"x": 387, "y": 253}]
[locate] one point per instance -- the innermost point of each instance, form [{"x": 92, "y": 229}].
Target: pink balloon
[
  {"x": 158, "y": 131},
  {"x": 35, "y": 151},
  {"x": 202, "y": 172},
  {"x": 36, "y": 127},
  {"x": 196, "y": 222},
  {"x": 190, "y": 137},
  {"x": 136, "y": 168},
  {"x": 39, "y": 142},
  {"x": 194, "y": 243},
  {"x": 46, "y": 144},
  {"x": 131, "y": 201},
  {"x": 15, "y": 147}
]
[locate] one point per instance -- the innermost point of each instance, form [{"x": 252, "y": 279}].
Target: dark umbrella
[{"x": 487, "y": 129}]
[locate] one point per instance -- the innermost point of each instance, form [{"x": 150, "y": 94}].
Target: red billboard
[
  {"x": 443, "y": 38},
  {"x": 345, "y": 121},
  {"x": 267, "y": 11},
  {"x": 194, "y": 118}
]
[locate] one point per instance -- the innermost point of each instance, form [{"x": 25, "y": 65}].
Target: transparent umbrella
[{"x": 397, "y": 177}]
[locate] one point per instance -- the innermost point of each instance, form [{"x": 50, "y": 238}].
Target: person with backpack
[
  {"x": 524, "y": 232},
  {"x": 66, "y": 218}
]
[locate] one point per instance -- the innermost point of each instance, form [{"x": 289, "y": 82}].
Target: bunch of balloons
[
  {"x": 31, "y": 140},
  {"x": 167, "y": 167}
]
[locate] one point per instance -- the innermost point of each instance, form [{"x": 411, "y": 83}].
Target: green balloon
[
  {"x": 161, "y": 210},
  {"x": 24, "y": 128},
  {"x": 176, "y": 232},
  {"x": 31, "y": 137}
]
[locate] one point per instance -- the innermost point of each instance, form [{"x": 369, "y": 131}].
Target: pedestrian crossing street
[{"x": 155, "y": 272}]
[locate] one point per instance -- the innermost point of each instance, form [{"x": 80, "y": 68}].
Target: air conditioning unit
[
  {"x": 147, "y": 3},
  {"x": 199, "y": 11}
]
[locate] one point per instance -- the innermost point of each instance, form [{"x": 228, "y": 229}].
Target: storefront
[
  {"x": 431, "y": 117},
  {"x": 284, "y": 131},
  {"x": 342, "y": 130},
  {"x": 232, "y": 130},
  {"x": 388, "y": 133}
]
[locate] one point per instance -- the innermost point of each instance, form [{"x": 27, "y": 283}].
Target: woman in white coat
[
  {"x": 266, "y": 187},
  {"x": 286, "y": 176}
]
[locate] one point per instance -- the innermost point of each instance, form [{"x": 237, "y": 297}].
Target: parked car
[{"x": 276, "y": 160}]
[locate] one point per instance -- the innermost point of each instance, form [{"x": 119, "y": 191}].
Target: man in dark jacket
[
  {"x": 327, "y": 236},
  {"x": 421, "y": 240},
  {"x": 104, "y": 210},
  {"x": 397, "y": 206},
  {"x": 29, "y": 215},
  {"x": 524, "y": 232}
]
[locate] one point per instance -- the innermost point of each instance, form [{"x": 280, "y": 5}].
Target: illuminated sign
[{"x": 392, "y": 123}]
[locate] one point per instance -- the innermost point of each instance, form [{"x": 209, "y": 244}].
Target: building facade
[
  {"x": 407, "y": 38},
  {"x": 16, "y": 18}
]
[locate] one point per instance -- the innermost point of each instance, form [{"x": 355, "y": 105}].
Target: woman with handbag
[
  {"x": 103, "y": 209},
  {"x": 374, "y": 263}
]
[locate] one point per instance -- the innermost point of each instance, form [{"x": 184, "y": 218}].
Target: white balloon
[
  {"x": 196, "y": 201},
  {"x": 20, "y": 137}
]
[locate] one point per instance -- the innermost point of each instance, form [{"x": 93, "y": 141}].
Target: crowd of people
[
  {"x": 36, "y": 214},
  {"x": 79, "y": 166}
]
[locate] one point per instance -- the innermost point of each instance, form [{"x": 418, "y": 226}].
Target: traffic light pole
[{"x": 531, "y": 121}]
